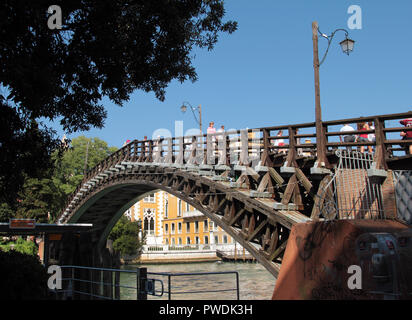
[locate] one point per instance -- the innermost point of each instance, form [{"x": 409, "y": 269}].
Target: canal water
[{"x": 255, "y": 282}]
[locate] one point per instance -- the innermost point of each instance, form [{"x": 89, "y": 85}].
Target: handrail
[
  {"x": 141, "y": 286},
  {"x": 260, "y": 143}
]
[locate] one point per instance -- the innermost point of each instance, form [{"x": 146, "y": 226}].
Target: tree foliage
[
  {"x": 83, "y": 154},
  {"x": 125, "y": 236},
  {"x": 44, "y": 198},
  {"x": 20, "y": 245},
  {"x": 105, "y": 48}
]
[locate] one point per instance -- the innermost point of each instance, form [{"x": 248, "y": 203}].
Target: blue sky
[{"x": 262, "y": 75}]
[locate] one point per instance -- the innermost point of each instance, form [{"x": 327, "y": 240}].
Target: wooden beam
[
  {"x": 257, "y": 230},
  {"x": 318, "y": 198},
  {"x": 278, "y": 251},
  {"x": 237, "y": 216},
  {"x": 276, "y": 176},
  {"x": 289, "y": 189}
]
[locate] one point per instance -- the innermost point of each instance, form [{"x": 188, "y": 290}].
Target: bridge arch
[{"x": 250, "y": 222}]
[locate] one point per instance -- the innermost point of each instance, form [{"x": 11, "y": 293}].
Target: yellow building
[{"x": 170, "y": 221}]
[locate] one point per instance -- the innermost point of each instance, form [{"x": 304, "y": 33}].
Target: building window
[
  {"x": 187, "y": 227},
  {"x": 188, "y": 240},
  {"x": 167, "y": 241},
  {"x": 224, "y": 239},
  {"x": 149, "y": 221},
  {"x": 206, "y": 240},
  {"x": 166, "y": 208},
  {"x": 196, "y": 226},
  {"x": 150, "y": 198},
  {"x": 205, "y": 225},
  {"x": 197, "y": 240},
  {"x": 173, "y": 241},
  {"x": 179, "y": 208},
  {"x": 173, "y": 228},
  {"x": 216, "y": 239},
  {"x": 179, "y": 227},
  {"x": 187, "y": 207},
  {"x": 179, "y": 241},
  {"x": 166, "y": 228}
]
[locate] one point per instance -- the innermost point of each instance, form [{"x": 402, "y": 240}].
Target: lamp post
[
  {"x": 183, "y": 108},
  {"x": 347, "y": 47}
]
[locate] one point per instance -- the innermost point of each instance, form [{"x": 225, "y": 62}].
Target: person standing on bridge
[
  {"x": 407, "y": 135},
  {"x": 363, "y": 137},
  {"x": 280, "y": 143},
  {"x": 348, "y": 137},
  {"x": 212, "y": 130}
]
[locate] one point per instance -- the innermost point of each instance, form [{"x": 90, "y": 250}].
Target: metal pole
[
  {"x": 320, "y": 142},
  {"x": 169, "y": 288},
  {"x": 85, "y": 159},
  {"x": 200, "y": 118},
  {"x": 237, "y": 286}
]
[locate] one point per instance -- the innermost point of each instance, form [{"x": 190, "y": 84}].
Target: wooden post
[
  {"x": 266, "y": 160},
  {"x": 291, "y": 158},
  {"x": 244, "y": 148},
  {"x": 320, "y": 138},
  {"x": 380, "y": 153}
]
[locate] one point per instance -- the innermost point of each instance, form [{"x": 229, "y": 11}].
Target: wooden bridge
[{"x": 251, "y": 186}]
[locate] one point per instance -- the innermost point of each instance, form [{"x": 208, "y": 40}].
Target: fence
[
  {"x": 351, "y": 193},
  {"x": 84, "y": 283}
]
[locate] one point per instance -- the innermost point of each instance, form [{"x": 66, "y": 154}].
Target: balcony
[{"x": 192, "y": 214}]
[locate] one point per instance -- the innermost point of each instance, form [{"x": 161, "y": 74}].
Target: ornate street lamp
[
  {"x": 183, "y": 108},
  {"x": 347, "y": 46}
]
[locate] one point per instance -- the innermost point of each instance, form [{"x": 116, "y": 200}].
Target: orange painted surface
[{"x": 318, "y": 255}]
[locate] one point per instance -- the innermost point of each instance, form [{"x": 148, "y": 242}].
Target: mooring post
[{"x": 141, "y": 277}]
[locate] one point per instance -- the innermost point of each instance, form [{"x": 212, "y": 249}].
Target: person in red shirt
[
  {"x": 407, "y": 135},
  {"x": 363, "y": 137}
]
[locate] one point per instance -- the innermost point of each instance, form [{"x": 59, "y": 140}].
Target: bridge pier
[{"x": 316, "y": 264}]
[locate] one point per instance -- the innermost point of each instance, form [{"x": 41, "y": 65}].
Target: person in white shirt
[{"x": 347, "y": 137}]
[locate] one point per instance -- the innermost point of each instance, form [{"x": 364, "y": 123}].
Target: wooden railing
[{"x": 250, "y": 147}]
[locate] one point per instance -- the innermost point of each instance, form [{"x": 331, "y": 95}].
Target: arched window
[
  {"x": 149, "y": 220},
  {"x": 151, "y": 226}
]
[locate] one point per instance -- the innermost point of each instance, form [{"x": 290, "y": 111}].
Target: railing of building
[
  {"x": 252, "y": 147},
  {"x": 84, "y": 283}
]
